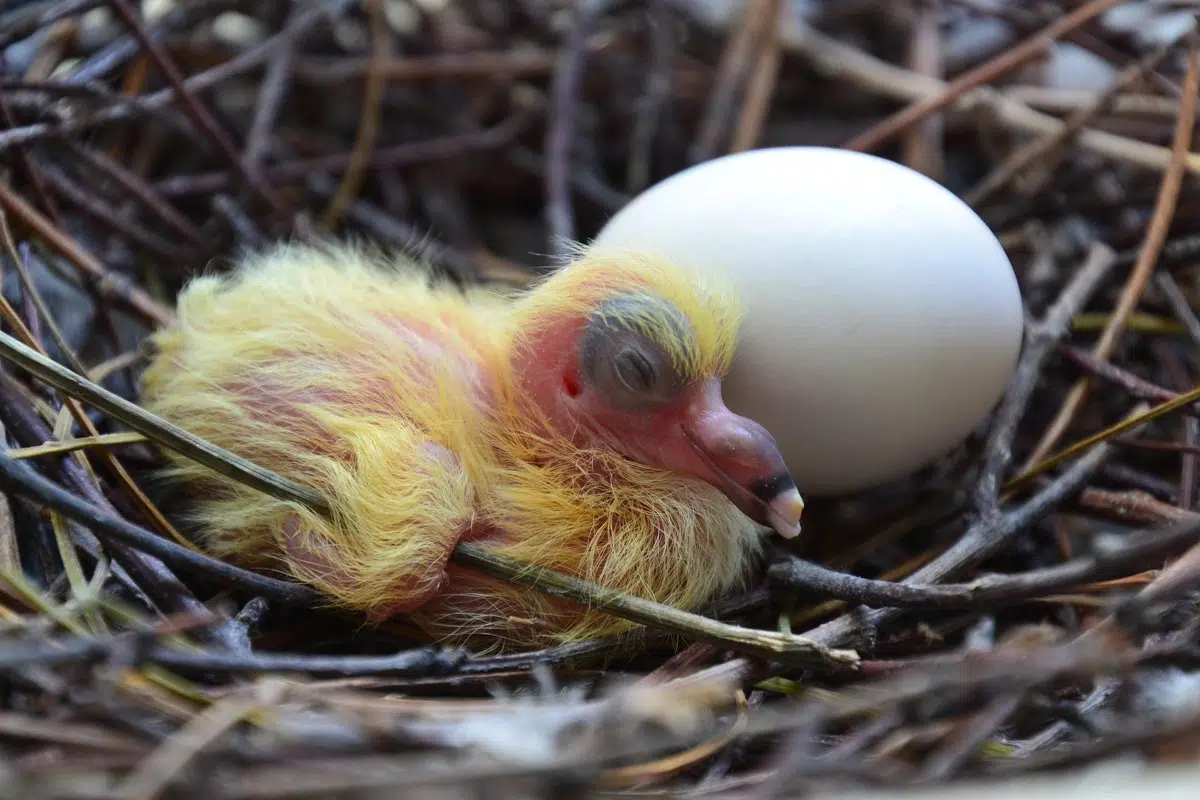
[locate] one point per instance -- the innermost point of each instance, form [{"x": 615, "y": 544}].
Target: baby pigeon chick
[{"x": 578, "y": 426}]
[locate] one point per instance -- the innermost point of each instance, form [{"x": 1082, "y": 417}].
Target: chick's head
[{"x": 627, "y": 352}]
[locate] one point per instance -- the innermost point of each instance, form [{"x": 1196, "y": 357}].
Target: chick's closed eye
[{"x": 624, "y": 362}]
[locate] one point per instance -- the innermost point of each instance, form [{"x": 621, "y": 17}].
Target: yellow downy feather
[{"x": 302, "y": 360}]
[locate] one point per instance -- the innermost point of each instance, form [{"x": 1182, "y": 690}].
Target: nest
[{"x": 1027, "y": 606}]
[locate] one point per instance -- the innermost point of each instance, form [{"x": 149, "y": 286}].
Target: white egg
[{"x": 883, "y": 318}]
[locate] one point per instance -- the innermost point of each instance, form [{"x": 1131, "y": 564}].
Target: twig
[
  {"x": 764, "y": 644},
  {"x": 401, "y": 235},
  {"x": 761, "y": 87},
  {"x": 650, "y": 103},
  {"x": 119, "y": 51},
  {"x": 396, "y": 156},
  {"x": 244, "y": 229},
  {"x": 273, "y": 90},
  {"x": 964, "y": 743},
  {"x": 1136, "y": 735},
  {"x": 101, "y": 211},
  {"x": 568, "y": 74},
  {"x": 1038, "y": 347},
  {"x": 1137, "y": 551},
  {"x": 108, "y": 284},
  {"x": 1179, "y": 304},
  {"x": 511, "y": 64},
  {"x": 18, "y": 478},
  {"x": 840, "y": 61},
  {"x": 1132, "y": 506},
  {"x": 368, "y": 123},
  {"x": 24, "y": 22},
  {"x": 23, "y": 424},
  {"x": 58, "y": 448},
  {"x": 422, "y": 661},
  {"x": 1029, "y": 22},
  {"x": 1131, "y": 294},
  {"x": 585, "y": 183},
  {"x": 1186, "y": 448},
  {"x": 24, "y": 160},
  {"x": 1179, "y": 578},
  {"x": 146, "y": 194},
  {"x": 923, "y": 144},
  {"x": 29, "y": 287},
  {"x": 1137, "y": 387},
  {"x": 1103, "y": 692},
  {"x": 1043, "y": 147},
  {"x": 118, "y": 107},
  {"x": 1066, "y": 101},
  {"x": 156, "y": 772},
  {"x": 192, "y": 106},
  {"x": 1129, "y": 423},
  {"x": 571, "y": 652},
  {"x": 1179, "y": 375},
  {"x": 1007, "y": 62},
  {"x": 735, "y": 60},
  {"x": 161, "y": 431}
]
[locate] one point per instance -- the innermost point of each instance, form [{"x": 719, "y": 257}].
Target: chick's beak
[{"x": 743, "y": 461}]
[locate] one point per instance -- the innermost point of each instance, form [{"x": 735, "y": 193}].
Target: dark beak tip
[{"x": 767, "y": 489}]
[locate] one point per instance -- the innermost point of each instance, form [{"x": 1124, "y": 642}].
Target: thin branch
[
  {"x": 20, "y": 479},
  {"x": 924, "y": 144},
  {"x": 735, "y": 58},
  {"x": 1007, "y": 62},
  {"x": 761, "y": 86},
  {"x": 1179, "y": 304},
  {"x": 418, "y": 662},
  {"x": 568, "y": 75},
  {"x": 118, "y": 52},
  {"x": 1130, "y": 423},
  {"x": 1135, "y": 386},
  {"x": 1042, "y": 148},
  {"x": 101, "y": 211},
  {"x": 273, "y": 90},
  {"x": 30, "y": 289},
  {"x": 1156, "y": 234},
  {"x": 764, "y": 644},
  {"x": 401, "y": 155},
  {"x": 24, "y": 22},
  {"x": 161, "y": 431},
  {"x": 71, "y": 445},
  {"x": 369, "y": 115},
  {"x": 983, "y": 539},
  {"x": 146, "y": 194},
  {"x": 109, "y": 284},
  {"x": 840, "y": 61},
  {"x": 202, "y": 118},
  {"x": 1135, "y": 553},
  {"x": 652, "y": 101},
  {"x": 1039, "y": 345}
]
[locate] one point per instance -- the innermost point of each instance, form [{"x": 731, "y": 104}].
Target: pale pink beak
[{"x": 743, "y": 461}]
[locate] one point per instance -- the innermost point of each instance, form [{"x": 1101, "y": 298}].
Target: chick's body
[{"x": 411, "y": 408}]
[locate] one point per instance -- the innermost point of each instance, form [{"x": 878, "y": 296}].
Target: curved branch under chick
[{"x": 578, "y": 426}]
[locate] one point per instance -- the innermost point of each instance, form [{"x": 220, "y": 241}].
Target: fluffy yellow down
[{"x": 304, "y": 361}]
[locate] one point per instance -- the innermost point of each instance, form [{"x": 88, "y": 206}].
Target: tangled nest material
[{"x": 1025, "y": 606}]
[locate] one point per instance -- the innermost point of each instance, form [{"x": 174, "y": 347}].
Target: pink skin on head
[{"x": 695, "y": 434}]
